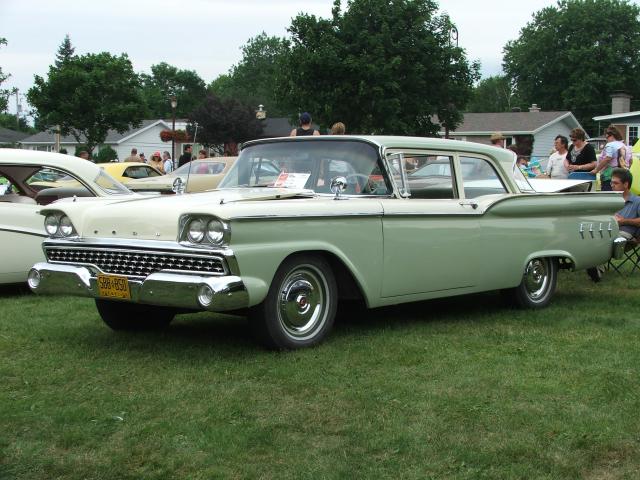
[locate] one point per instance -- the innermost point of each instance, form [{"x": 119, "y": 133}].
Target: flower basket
[{"x": 179, "y": 136}]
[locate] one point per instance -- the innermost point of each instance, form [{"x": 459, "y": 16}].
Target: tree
[
  {"x": 253, "y": 81},
  {"x": 493, "y": 94},
  {"x": 87, "y": 96},
  {"x": 8, "y": 120},
  {"x": 65, "y": 52},
  {"x": 572, "y": 56},
  {"x": 4, "y": 93},
  {"x": 166, "y": 80},
  {"x": 224, "y": 121},
  {"x": 379, "y": 67}
]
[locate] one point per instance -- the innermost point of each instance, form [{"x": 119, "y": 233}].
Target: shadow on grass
[{"x": 14, "y": 289}]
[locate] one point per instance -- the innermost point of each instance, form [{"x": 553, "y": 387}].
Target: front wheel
[
  {"x": 132, "y": 316},
  {"x": 538, "y": 284},
  {"x": 300, "y": 307}
]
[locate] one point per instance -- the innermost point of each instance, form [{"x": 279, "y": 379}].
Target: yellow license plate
[{"x": 113, "y": 286}]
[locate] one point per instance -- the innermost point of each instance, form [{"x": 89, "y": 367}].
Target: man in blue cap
[{"x": 305, "y": 127}]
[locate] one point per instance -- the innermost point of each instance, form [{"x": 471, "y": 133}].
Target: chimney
[
  {"x": 620, "y": 102},
  {"x": 516, "y": 109},
  {"x": 534, "y": 107}
]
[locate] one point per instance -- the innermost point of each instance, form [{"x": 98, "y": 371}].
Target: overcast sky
[{"x": 206, "y": 35}]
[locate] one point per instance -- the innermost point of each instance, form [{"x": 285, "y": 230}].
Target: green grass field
[{"x": 462, "y": 388}]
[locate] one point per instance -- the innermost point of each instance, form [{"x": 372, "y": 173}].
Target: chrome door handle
[{"x": 470, "y": 203}]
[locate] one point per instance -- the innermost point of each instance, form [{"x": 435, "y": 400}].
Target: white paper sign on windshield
[{"x": 291, "y": 180}]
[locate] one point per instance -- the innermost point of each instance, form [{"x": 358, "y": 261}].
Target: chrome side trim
[{"x": 24, "y": 232}]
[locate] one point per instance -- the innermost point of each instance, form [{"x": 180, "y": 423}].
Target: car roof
[{"x": 78, "y": 166}]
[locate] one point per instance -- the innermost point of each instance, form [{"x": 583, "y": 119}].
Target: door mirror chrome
[
  {"x": 178, "y": 186},
  {"x": 338, "y": 185}
]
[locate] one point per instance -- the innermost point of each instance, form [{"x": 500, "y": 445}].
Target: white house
[{"x": 146, "y": 138}]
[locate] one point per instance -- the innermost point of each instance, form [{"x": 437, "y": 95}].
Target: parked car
[
  {"x": 28, "y": 181},
  {"x": 126, "y": 172},
  {"x": 300, "y": 223},
  {"x": 195, "y": 176}
]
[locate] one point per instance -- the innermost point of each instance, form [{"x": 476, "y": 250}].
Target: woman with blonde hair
[
  {"x": 338, "y": 128},
  {"x": 156, "y": 162}
]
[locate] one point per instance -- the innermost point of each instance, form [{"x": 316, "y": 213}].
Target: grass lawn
[{"x": 461, "y": 388}]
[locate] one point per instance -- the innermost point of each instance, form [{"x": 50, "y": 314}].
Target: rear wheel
[
  {"x": 538, "y": 284},
  {"x": 133, "y": 316},
  {"x": 300, "y": 307}
]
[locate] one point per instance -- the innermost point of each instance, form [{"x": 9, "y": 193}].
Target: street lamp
[{"x": 174, "y": 104}]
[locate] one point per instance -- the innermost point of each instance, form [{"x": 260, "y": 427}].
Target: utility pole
[{"x": 16, "y": 91}]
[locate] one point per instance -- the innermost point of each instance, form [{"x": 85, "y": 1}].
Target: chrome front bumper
[{"x": 163, "y": 289}]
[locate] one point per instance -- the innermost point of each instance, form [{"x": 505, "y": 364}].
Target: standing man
[
  {"x": 556, "y": 165},
  {"x": 133, "y": 157},
  {"x": 83, "y": 154},
  {"x": 629, "y": 216},
  {"x": 497, "y": 140},
  {"x": 186, "y": 156},
  {"x": 305, "y": 127}
]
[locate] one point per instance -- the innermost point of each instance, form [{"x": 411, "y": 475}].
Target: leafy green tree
[
  {"x": 8, "y": 120},
  {"x": 573, "y": 55},
  {"x": 166, "y": 80},
  {"x": 87, "y": 96},
  {"x": 493, "y": 94},
  {"x": 4, "y": 93},
  {"x": 253, "y": 81},
  {"x": 379, "y": 67},
  {"x": 65, "y": 52},
  {"x": 224, "y": 121},
  {"x": 106, "y": 154}
]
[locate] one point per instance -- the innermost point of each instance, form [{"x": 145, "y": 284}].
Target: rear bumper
[{"x": 194, "y": 292}]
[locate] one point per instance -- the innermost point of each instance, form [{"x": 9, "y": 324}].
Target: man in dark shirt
[
  {"x": 186, "y": 156},
  {"x": 629, "y": 216}
]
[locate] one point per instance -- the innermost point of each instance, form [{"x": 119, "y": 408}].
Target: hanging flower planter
[{"x": 179, "y": 136}]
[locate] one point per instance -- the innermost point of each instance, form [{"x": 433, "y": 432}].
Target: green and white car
[{"x": 299, "y": 224}]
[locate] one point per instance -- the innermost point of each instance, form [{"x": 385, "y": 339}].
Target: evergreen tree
[{"x": 65, "y": 52}]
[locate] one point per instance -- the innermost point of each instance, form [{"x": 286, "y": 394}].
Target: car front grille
[{"x": 137, "y": 263}]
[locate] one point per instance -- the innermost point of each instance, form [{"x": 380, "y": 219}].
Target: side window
[
  {"x": 141, "y": 171},
  {"x": 479, "y": 178},
  {"x": 430, "y": 176}
]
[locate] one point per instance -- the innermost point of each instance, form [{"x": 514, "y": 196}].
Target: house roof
[
  {"x": 510, "y": 123},
  {"x": 615, "y": 116},
  {"x": 113, "y": 137},
  {"x": 11, "y": 136}
]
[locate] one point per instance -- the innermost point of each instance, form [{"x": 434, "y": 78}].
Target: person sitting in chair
[{"x": 629, "y": 216}]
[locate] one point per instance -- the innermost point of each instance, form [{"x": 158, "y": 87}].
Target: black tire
[
  {"x": 300, "y": 307},
  {"x": 133, "y": 316},
  {"x": 538, "y": 284}
]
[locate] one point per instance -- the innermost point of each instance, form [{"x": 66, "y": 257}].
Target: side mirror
[
  {"x": 338, "y": 185},
  {"x": 178, "y": 186}
]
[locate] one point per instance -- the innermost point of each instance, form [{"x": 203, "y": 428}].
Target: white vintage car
[
  {"x": 28, "y": 181},
  {"x": 300, "y": 223}
]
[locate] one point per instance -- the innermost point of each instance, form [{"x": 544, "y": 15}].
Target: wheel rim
[
  {"x": 537, "y": 278},
  {"x": 303, "y": 302}
]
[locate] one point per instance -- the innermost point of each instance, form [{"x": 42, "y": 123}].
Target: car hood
[
  {"x": 553, "y": 185},
  {"x": 156, "y": 217}
]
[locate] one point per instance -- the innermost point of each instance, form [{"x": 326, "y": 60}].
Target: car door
[
  {"x": 429, "y": 234},
  {"x": 21, "y": 232}
]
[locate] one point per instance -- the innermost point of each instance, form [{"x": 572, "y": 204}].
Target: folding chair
[{"x": 631, "y": 258}]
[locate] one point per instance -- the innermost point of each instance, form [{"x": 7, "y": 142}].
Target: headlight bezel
[
  {"x": 211, "y": 238},
  {"x": 59, "y": 225}
]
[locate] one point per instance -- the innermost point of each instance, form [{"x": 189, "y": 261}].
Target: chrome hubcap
[
  {"x": 536, "y": 278},
  {"x": 302, "y": 306}
]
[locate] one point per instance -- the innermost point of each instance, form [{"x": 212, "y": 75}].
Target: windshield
[
  {"x": 309, "y": 165},
  {"x": 518, "y": 176},
  {"x": 110, "y": 185},
  {"x": 199, "y": 167}
]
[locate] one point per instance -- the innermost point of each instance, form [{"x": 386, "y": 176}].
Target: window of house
[{"x": 633, "y": 135}]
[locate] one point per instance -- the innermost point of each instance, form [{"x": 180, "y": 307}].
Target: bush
[{"x": 106, "y": 154}]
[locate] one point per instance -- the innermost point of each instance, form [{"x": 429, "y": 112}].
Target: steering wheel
[{"x": 365, "y": 187}]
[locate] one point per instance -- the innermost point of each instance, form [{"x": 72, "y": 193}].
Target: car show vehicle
[
  {"x": 299, "y": 224},
  {"x": 127, "y": 172},
  {"x": 28, "y": 181},
  {"x": 195, "y": 176}
]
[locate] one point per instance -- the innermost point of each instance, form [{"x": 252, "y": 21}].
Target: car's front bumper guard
[{"x": 163, "y": 289}]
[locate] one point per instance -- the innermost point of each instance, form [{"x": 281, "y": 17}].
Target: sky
[{"x": 207, "y": 35}]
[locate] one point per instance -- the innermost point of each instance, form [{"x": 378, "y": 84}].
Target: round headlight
[
  {"x": 196, "y": 231},
  {"x": 51, "y": 224},
  {"x": 215, "y": 231},
  {"x": 66, "y": 227}
]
